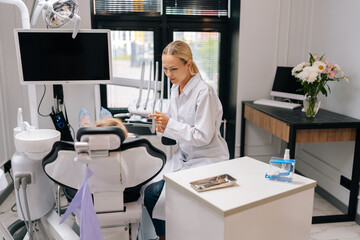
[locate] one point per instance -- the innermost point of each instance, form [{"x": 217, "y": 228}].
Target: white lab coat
[{"x": 195, "y": 119}]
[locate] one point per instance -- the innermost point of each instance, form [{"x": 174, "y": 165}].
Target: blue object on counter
[{"x": 281, "y": 170}]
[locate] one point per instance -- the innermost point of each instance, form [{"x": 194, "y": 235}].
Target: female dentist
[{"x": 193, "y": 120}]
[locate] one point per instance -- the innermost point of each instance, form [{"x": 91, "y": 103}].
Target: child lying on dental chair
[
  {"x": 112, "y": 122},
  {"x": 106, "y": 120}
]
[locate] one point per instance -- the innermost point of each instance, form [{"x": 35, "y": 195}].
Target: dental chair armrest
[{"x": 168, "y": 141}]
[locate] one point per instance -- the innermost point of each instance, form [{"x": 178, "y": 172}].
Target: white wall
[
  {"x": 263, "y": 36},
  {"x": 333, "y": 31},
  {"x": 283, "y": 32},
  {"x": 13, "y": 95}
]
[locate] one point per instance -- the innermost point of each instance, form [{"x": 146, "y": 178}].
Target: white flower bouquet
[{"x": 314, "y": 77}]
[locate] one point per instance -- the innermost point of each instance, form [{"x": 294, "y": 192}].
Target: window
[
  {"x": 146, "y": 7},
  {"x": 129, "y": 53},
  {"x": 205, "y": 47},
  {"x": 130, "y": 49},
  {"x": 154, "y": 7},
  {"x": 140, "y": 31},
  {"x": 121, "y": 96},
  {"x": 201, "y": 8}
]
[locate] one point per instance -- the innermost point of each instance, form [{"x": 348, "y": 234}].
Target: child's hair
[
  {"x": 112, "y": 122},
  {"x": 182, "y": 51}
]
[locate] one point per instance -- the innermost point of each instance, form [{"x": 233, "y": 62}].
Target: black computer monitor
[
  {"x": 48, "y": 56},
  {"x": 285, "y": 85}
]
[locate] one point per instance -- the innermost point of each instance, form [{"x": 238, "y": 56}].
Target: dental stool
[{"x": 119, "y": 171}]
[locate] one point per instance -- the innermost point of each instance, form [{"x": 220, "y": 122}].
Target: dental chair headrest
[{"x": 85, "y": 133}]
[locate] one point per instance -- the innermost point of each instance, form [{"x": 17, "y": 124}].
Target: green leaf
[
  {"x": 323, "y": 91},
  {"x": 311, "y": 61}
]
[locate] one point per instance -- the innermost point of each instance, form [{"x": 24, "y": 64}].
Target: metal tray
[{"x": 220, "y": 181}]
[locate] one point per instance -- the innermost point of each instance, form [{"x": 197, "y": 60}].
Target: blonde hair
[
  {"x": 182, "y": 51},
  {"x": 112, "y": 122}
]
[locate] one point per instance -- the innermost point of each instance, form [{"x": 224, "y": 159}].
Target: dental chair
[{"x": 119, "y": 171}]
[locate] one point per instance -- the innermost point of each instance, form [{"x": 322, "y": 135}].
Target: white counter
[{"x": 255, "y": 208}]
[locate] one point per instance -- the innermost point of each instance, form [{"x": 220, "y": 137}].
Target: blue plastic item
[
  {"x": 85, "y": 119},
  {"x": 105, "y": 114},
  {"x": 281, "y": 170}
]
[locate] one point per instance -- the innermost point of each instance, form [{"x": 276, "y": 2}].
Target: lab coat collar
[
  {"x": 188, "y": 87},
  {"x": 191, "y": 84}
]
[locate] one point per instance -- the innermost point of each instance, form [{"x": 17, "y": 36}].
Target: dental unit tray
[{"x": 220, "y": 181}]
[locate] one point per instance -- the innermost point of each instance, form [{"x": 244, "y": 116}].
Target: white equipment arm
[
  {"x": 141, "y": 84},
  {"x": 77, "y": 19},
  {"x": 162, "y": 90},
  {"x": 148, "y": 88},
  {"x": 43, "y": 5},
  {"x": 155, "y": 82}
]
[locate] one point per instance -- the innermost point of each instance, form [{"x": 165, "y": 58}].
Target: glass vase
[{"x": 311, "y": 105}]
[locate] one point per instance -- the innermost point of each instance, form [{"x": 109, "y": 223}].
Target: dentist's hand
[{"x": 161, "y": 121}]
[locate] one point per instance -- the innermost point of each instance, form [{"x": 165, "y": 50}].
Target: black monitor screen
[
  {"x": 285, "y": 83},
  {"x": 54, "y": 56}
]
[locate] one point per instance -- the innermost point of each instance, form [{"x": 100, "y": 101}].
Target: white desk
[{"x": 255, "y": 208}]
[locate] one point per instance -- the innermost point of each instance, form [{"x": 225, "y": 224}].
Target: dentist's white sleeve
[{"x": 204, "y": 125}]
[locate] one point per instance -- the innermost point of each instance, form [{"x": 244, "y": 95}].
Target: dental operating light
[{"x": 57, "y": 13}]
